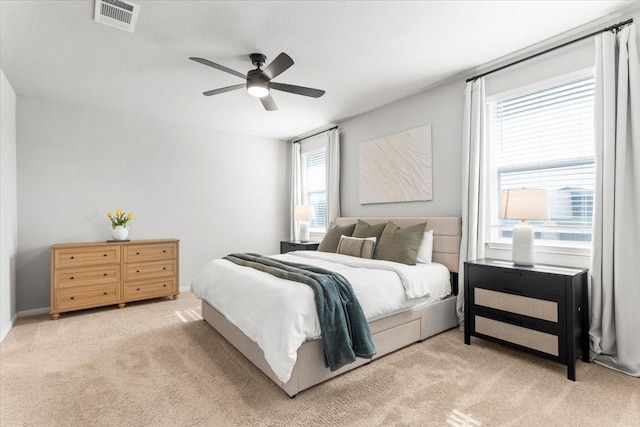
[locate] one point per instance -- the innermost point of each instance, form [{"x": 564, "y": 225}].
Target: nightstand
[
  {"x": 542, "y": 310},
  {"x": 297, "y": 245}
]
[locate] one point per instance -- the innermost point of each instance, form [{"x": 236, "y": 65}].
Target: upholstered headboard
[{"x": 447, "y": 232}]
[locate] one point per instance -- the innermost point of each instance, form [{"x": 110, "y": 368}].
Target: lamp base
[
  {"x": 523, "y": 253},
  {"x": 304, "y": 231}
]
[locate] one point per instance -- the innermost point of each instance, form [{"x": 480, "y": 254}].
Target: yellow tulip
[
  {"x": 119, "y": 212},
  {"x": 129, "y": 216},
  {"x": 109, "y": 215}
]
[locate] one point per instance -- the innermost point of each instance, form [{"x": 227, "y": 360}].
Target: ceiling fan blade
[
  {"x": 218, "y": 66},
  {"x": 278, "y": 66},
  {"x": 268, "y": 103},
  {"x": 223, "y": 90},
  {"x": 298, "y": 90}
]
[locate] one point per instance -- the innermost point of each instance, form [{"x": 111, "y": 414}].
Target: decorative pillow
[
  {"x": 362, "y": 248},
  {"x": 364, "y": 229},
  {"x": 332, "y": 237},
  {"x": 400, "y": 244},
  {"x": 425, "y": 251}
]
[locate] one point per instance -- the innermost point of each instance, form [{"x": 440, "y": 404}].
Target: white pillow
[{"x": 425, "y": 251}]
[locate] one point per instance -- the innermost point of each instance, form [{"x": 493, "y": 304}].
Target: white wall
[
  {"x": 8, "y": 206},
  {"x": 218, "y": 193},
  {"x": 441, "y": 107}
]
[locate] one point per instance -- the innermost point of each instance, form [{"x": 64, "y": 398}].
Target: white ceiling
[{"x": 364, "y": 54}]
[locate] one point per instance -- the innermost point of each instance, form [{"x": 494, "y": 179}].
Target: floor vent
[{"x": 117, "y": 13}]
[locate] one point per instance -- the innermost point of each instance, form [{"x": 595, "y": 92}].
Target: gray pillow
[
  {"x": 364, "y": 229},
  {"x": 332, "y": 237},
  {"x": 400, "y": 244},
  {"x": 353, "y": 246}
]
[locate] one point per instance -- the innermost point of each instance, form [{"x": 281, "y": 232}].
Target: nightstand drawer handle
[
  {"x": 512, "y": 291},
  {"x": 514, "y": 322}
]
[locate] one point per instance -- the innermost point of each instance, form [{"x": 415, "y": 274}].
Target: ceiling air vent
[{"x": 117, "y": 13}]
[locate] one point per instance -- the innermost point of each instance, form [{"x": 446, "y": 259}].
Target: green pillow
[
  {"x": 364, "y": 230},
  {"x": 400, "y": 244},
  {"x": 332, "y": 237}
]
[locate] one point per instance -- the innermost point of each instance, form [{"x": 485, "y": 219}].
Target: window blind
[
  {"x": 315, "y": 186},
  {"x": 545, "y": 139}
]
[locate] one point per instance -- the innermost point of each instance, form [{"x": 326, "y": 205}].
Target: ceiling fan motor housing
[{"x": 258, "y": 59}]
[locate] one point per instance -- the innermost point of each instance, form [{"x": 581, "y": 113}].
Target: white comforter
[{"x": 279, "y": 315}]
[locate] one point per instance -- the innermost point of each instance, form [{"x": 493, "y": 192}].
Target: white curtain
[
  {"x": 296, "y": 189},
  {"x": 333, "y": 175},
  {"x": 615, "y": 267},
  {"x": 474, "y": 192}
]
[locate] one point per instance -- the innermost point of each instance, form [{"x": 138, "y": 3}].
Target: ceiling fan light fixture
[{"x": 257, "y": 88}]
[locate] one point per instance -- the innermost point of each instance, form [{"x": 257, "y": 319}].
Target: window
[
  {"x": 544, "y": 138},
  {"x": 314, "y": 187}
]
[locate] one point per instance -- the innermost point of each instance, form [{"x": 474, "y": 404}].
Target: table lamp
[
  {"x": 304, "y": 213},
  {"x": 523, "y": 204}
]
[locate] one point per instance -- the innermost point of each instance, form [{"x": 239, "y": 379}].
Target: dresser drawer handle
[
  {"x": 104, "y": 255},
  {"x": 164, "y": 286},
  {"x": 137, "y": 271},
  {"x": 164, "y": 251},
  {"x": 105, "y": 293},
  {"x": 137, "y": 289},
  {"x": 164, "y": 268},
  {"x": 72, "y": 257},
  {"x": 72, "y": 298},
  {"x": 137, "y": 253},
  {"x": 105, "y": 274},
  {"x": 71, "y": 278}
]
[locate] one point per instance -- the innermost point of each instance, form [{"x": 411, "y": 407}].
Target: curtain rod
[
  {"x": 315, "y": 134},
  {"x": 615, "y": 28}
]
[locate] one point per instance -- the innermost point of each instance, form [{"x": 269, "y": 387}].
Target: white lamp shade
[
  {"x": 524, "y": 203},
  {"x": 304, "y": 212}
]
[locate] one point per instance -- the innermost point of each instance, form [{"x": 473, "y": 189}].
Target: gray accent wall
[
  {"x": 442, "y": 108},
  {"x": 8, "y": 206},
  {"x": 216, "y": 192}
]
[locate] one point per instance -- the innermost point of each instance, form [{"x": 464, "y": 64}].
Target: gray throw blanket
[{"x": 345, "y": 331}]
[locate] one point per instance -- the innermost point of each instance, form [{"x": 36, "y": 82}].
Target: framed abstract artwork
[{"x": 397, "y": 168}]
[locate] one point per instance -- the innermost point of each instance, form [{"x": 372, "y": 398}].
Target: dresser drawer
[
  {"x": 87, "y": 296},
  {"x": 80, "y": 257},
  {"x": 149, "y": 270},
  {"x": 150, "y": 252},
  {"x": 526, "y": 306},
  {"x": 82, "y": 276},
  {"x": 530, "y": 338},
  {"x": 516, "y": 281},
  {"x": 143, "y": 290}
]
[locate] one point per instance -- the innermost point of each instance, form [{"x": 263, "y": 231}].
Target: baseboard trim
[
  {"x": 33, "y": 312},
  {"x": 5, "y": 331}
]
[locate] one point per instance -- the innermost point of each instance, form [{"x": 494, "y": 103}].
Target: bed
[{"x": 391, "y": 332}]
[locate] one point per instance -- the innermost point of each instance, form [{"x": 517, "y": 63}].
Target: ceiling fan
[{"x": 258, "y": 81}]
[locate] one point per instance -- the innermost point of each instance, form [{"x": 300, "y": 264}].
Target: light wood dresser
[{"x": 86, "y": 275}]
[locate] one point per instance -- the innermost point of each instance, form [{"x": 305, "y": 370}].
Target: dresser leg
[
  {"x": 175, "y": 296},
  {"x": 121, "y": 305},
  {"x": 55, "y": 316},
  {"x": 571, "y": 370}
]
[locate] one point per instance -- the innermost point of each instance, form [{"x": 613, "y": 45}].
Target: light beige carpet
[{"x": 156, "y": 363}]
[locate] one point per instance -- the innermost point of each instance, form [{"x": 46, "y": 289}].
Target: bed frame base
[{"x": 389, "y": 334}]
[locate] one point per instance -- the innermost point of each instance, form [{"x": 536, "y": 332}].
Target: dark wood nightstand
[
  {"x": 542, "y": 310},
  {"x": 297, "y": 245}
]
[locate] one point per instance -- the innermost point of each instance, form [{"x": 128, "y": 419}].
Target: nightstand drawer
[
  {"x": 526, "y": 306},
  {"x": 530, "y": 338},
  {"x": 290, "y": 246},
  {"x": 517, "y": 282}
]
